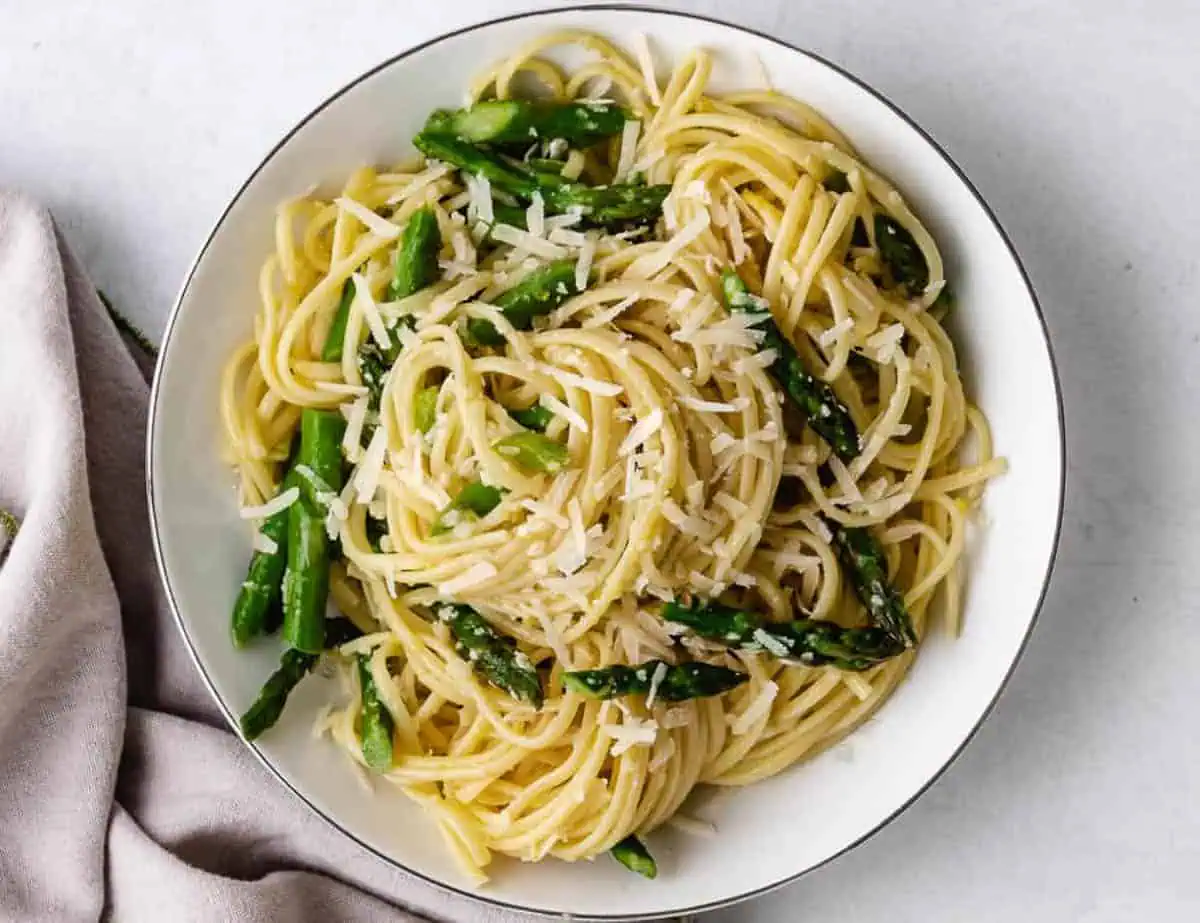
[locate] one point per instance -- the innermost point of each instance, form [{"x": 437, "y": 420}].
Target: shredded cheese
[
  {"x": 756, "y": 711},
  {"x": 365, "y": 305},
  {"x": 276, "y": 504},
  {"x": 368, "y": 218},
  {"x": 642, "y": 430},
  {"x": 507, "y": 234},
  {"x": 366, "y": 476},
  {"x": 629, "y": 139}
]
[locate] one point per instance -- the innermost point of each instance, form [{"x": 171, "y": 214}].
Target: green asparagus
[
  {"x": 416, "y": 255},
  {"x": 375, "y": 361},
  {"x": 293, "y": 666},
  {"x": 536, "y": 295},
  {"x": 901, "y": 255},
  {"x": 866, "y": 565},
  {"x": 376, "y": 725},
  {"x": 494, "y": 656},
  {"x": 336, "y": 337},
  {"x": 670, "y": 683},
  {"x": 827, "y": 416},
  {"x": 535, "y": 417},
  {"x": 260, "y": 591},
  {"x": 425, "y": 408},
  {"x": 306, "y": 579},
  {"x": 507, "y": 121},
  {"x": 533, "y": 451},
  {"x": 633, "y": 854},
  {"x": 602, "y": 205},
  {"x": 812, "y": 642},
  {"x": 475, "y": 500}
]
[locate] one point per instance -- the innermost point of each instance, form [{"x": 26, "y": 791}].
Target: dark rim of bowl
[{"x": 534, "y": 14}]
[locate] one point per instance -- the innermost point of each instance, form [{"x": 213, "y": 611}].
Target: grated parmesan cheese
[
  {"x": 276, "y": 504},
  {"x": 481, "y": 206},
  {"x": 634, "y": 733},
  {"x": 341, "y": 387},
  {"x": 507, "y": 234},
  {"x": 365, "y": 305},
  {"x": 583, "y": 266},
  {"x": 885, "y": 342},
  {"x": 756, "y": 711},
  {"x": 656, "y": 678},
  {"x": 265, "y": 543},
  {"x": 356, "y": 417},
  {"x": 373, "y": 223},
  {"x": 703, "y": 406},
  {"x": 648, "y": 265},
  {"x": 590, "y": 385},
  {"x": 643, "y": 430},
  {"x": 835, "y": 333},
  {"x": 608, "y": 315},
  {"x": 366, "y": 476},
  {"x": 568, "y": 413},
  {"x": 535, "y": 216},
  {"x": 629, "y": 140}
]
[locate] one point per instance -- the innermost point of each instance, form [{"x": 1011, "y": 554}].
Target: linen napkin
[{"x": 122, "y": 794}]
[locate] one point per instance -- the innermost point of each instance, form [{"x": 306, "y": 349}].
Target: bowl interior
[{"x": 809, "y": 813}]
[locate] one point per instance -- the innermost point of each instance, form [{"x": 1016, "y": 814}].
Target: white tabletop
[{"x": 135, "y": 120}]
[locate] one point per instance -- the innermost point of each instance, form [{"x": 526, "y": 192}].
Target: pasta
[{"x": 686, "y": 472}]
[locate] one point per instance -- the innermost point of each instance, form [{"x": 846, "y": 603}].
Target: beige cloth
[{"x": 122, "y": 794}]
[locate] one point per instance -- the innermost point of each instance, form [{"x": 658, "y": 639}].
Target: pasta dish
[{"x": 620, "y": 435}]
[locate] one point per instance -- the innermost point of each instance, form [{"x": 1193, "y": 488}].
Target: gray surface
[{"x": 1080, "y": 798}]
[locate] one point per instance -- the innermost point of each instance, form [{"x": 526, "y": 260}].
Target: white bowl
[{"x": 769, "y": 833}]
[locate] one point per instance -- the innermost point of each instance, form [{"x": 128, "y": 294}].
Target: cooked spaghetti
[{"x": 678, "y": 467}]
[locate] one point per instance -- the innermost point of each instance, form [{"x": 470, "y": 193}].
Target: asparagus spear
[
  {"x": 337, "y": 330},
  {"x": 810, "y": 641},
  {"x": 416, "y": 256},
  {"x": 425, "y": 408},
  {"x": 828, "y": 417},
  {"x": 901, "y": 255},
  {"x": 536, "y": 295},
  {"x": 535, "y": 417},
  {"x": 476, "y": 499},
  {"x": 376, "y": 724},
  {"x": 674, "y": 683},
  {"x": 493, "y": 655},
  {"x": 416, "y": 267},
  {"x": 374, "y": 362},
  {"x": 633, "y": 854},
  {"x": 306, "y": 579},
  {"x": 260, "y": 591},
  {"x": 293, "y": 666},
  {"x": 614, "y": 204},
  {"x": 866, "y": 565},
  {"x": 504, "y": 121},
  {"x": 533, "y": 451}
]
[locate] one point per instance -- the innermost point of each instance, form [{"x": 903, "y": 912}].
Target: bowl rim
[{"x": 152, "y": 409}]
